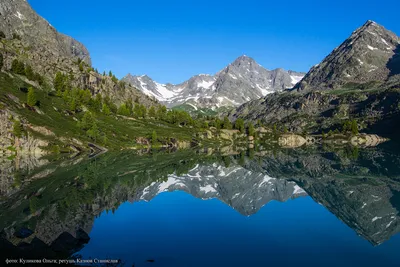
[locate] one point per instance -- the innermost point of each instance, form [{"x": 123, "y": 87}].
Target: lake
[{"x": 322, "y": 206}]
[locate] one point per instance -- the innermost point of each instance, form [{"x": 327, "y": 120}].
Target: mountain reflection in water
[{"x": 73, "y": 207}]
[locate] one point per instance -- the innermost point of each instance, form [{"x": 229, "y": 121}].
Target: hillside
[
  {"x": 30, "y": 39},
  {"x": 367, "y": 56},
  {"x": 53, "y": 100},
  {"x": 358, "y": 81}
]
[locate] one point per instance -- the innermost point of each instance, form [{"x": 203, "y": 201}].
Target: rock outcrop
[
  {"x": 367, "y": 140},
  {"x": 26, "y": 143},
  {"x": 291, "y": 140}
]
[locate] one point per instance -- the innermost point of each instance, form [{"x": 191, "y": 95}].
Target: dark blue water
[
  {"x": 177, "y": 229},
  {"x": 287, "y": 208}
]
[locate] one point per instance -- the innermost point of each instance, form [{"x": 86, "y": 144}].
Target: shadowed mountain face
[
  {"x": 359, "y": 187},
  {"x": 57, "y": 210},
  {"x": 394, "y": 63}
]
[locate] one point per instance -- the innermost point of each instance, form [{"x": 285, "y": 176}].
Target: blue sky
[{"x": 174, "y": 40}]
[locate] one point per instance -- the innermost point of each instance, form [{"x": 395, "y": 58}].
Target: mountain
[
  {"x": 245, "y": 191},
  {"x": 30, "y": 39},
  {"x": 19, "y": 19},
  {"x": 366, "y": 56},
  {"x": 359, "y": 80},
  {"x": 54, "y": 71},
  {"x": 241, "y": 81},
  {"x": 365, "y": 197}
]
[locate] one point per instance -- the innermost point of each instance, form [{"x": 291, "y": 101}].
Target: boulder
[
  {"x": 291, "y": 140},
  {"x": 367, "y": 140}
]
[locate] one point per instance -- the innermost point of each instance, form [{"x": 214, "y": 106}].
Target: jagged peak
[
  {"x": 244, "y": 58},
  {"x": 370, "y": 22},
  {"x": 371, "y": 27},
  {"x": 360, "y": 58},
  {"x": 243, "y": 61},
  {"x": 145, "y": 76}
]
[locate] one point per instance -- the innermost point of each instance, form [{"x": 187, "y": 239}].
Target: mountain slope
[
  {"x": 364, "y": 57},
  {"x": 17, "y": 17},
  {"x": 359, "y": 80},
  {"x": 30, "y": 39},
  {"x": 241, "y": 81},
  {"x": 48, "y": 87}
]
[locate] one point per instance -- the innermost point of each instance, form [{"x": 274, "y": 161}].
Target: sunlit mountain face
[{"x": 69, "y": 207}]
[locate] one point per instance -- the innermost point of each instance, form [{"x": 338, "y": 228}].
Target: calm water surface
[
  {"x": 307, "y": 207},
  {"x": 176, "y": 229}
]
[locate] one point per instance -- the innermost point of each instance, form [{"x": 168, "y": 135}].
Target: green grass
[
  {"x": 344, "y": 91},
  {"x": 200, "y": 111},
  {"x": 120, "y": 131}
]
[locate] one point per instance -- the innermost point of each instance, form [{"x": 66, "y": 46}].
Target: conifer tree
[
  {"x": 239, "y": 125},
  {"x": 31, "y": 98},
  {"x": 251, "y": 131},
  {"x": 152, "y": 112},
  {"x": 17, "y": 128},
  {"x": 106, "y": 110},
  {"x": 154, "y": 137},
  {"x": 227, "y": 123}
]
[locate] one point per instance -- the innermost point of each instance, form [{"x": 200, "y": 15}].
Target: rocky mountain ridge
[
  {"x": 359, "y": 80},
  {"x": 366, "y": 56},
  {"x": 18, "y": 18},
  {"x": 359, "y": 198},
  {"x": 32, "y": 40},
  {"x": 245, "y": 191},
  {"x": 241, "y": 81}
]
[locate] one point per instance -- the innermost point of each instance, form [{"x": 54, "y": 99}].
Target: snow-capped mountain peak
[
  {"x": 241, "y": 81},
  {"x": 244, "y": 190}
]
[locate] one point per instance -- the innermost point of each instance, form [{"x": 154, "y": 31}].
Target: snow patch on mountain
[
  {"x": 242, "y": 189},
  {"x": 296, "y": 79},
  {"x": 241, "y": 81}
]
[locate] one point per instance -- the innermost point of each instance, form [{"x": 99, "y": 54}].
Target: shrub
[
  {"x": 2, "y": 35},
  {"x": 87, "y": 122},
  {"x": 18, "y": 67},
  {"x": 29, "y": 73},
  {"x": 106, "y": 110},
  {"x": 16, "y": 36}
]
